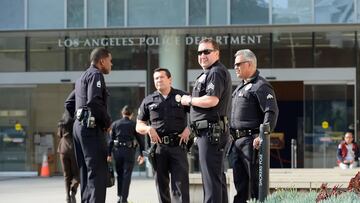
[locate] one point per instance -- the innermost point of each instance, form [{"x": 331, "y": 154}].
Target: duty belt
[
  {"x": 172, "y": 139},
  {"x": 239, "y": 133},
  {"x": 128, "y": 144}
]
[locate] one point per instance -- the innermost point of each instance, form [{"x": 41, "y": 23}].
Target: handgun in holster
[
  {"x": 150, "y": 154},
  {"x": 216, "y": 131}
]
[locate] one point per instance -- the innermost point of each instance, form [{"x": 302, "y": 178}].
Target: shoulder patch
[
  {"x": 269, "y": 96},
  {"x": 210, "y": 86},
  {"x": 98, "y": 84}
]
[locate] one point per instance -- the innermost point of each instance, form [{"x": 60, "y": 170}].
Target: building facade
[{"x": 307, "y": 49}]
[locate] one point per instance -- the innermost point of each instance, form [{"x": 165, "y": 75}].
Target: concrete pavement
[{"x": 52, "y": 190}]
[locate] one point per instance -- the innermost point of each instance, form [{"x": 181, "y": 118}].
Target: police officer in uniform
[
  {"x": 210, "y": 108},
  {"x": 168, "y": 129},
  {"x": 123, "y": 145},
  {"x": 253, "y": 103},
  {"x": 91, "y": 124}
]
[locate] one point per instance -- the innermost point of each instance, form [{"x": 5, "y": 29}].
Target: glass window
[
  {"x": 95, "y": 13},
  {"x": 218, "y": 12},
  {"x": 358, "y": 11},
  {"x": 46, "y": 55},
  {"x": 46, "y": 14},
  {"x": 292, "y": 11},
  {"x": 334, "y": 49},
  {"x": 258, "y": 43},
  {"x": 197, "y": 12},
  {"x": 334, "y": 11},
  {"x": 12, "y": 54},
  {"x": 249, "y": 11},
  {"x": 12, "y": 14},
  {"x": 128, "y": 52},
  {"x": 158, "y": 13},
  {"x": 333, "y": 104},
  {"x": 292, "y": 50},
  {"x": 115, "y": 13},
  {"x": 75, "y": 13},
  {"x": 78, "y": 58}
]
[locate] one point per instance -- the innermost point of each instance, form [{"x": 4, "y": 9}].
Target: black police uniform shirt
[
  {"x": 166, "y": 115},
  {"x": 123, "y": 130},
  {"x": 91, "y": 92},
  {"x": 214, "y": 81},
  {"x": 254, "y": 103}
]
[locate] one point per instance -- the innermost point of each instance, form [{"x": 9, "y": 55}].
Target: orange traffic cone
[{"x": 45, "y": 171}]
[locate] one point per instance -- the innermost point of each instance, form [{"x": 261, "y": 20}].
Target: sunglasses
[
  {"x": 205, "y": 51},
  {"x": 237, "y": 65}
]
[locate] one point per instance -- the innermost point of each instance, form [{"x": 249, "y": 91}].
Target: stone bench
[{"x": 304, "y": 178}]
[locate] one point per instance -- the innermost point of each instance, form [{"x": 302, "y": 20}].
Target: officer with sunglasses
[
  {"x": 210, "y": 107},
  {"x": 253, "y": 103}
]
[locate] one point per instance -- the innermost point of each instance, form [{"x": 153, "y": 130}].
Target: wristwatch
[{"x": 190, "y": 104}]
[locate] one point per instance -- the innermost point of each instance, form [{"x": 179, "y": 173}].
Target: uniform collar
[
  {"x": 251, "y": 79},
  {"x": 172, "y": 91},
  {"x": 94, "y": 68},
  {"x": 210, "y": 67}
]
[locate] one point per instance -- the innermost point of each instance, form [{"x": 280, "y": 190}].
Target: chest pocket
[
  {"x": 177, "y": 110},
  {"x": 247, "y": 97},
  {"x": 154, "y": 112},
  {"x": 199, "y": 89}
]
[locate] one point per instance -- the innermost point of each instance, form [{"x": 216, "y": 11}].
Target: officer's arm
[
  {"x": 142, "y": 127},
  {"x": 141, "y": 140},
  {"x": 205, "y": 101},
  {"x": 112, "y": 138},
  {"x": 70, "y": 104},
  {"x": 268, "y": 105},
  {"x": 202, "y": 102},
  {"x": 96, "y": 102}
]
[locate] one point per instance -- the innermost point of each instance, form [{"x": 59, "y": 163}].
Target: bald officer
[{"x": 92, "y": 121}]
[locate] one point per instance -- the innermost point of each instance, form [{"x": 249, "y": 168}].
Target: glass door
[
  {"x": 328, "y": 113},
  {"x": 126, "y": 95}
]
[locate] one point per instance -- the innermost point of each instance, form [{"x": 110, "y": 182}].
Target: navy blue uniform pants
[
  {"x": 91, "y": 152},
  {"x": 211, "y": 158},
  {"x": 172, "y": 160},
  {"x": 245, "y": 169},
  {"x": 124, "y": 164}
]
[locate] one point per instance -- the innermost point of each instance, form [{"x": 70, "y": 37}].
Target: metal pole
[
  {"x": 293, "y": 153},
  {"x": 264, "y": 161}
]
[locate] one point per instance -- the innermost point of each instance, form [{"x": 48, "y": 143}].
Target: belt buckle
[{"x": 166, "y": 139}]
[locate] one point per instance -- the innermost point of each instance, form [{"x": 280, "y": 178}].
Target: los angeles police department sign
[{"x": 155, "y": 41}]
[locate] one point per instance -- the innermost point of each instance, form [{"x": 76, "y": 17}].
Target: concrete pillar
[{"x": 172, "y": 57}]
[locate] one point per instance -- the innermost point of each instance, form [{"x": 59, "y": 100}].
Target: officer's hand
[
  {"x": 154, "y": 137},
  {"x": 184, "y": 136},
  {"x": 109, "y": 158},
  {"x": 185, "y": 100},
  {"x": 140, "y": 159},
  {"x": 257, "y": 143}
]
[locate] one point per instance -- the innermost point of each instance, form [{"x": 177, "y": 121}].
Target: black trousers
[
  {"x": 211, "y": 158},
  {"x": 245, "y": 170},
  {"x": 172, "y": 160},
  {"x": 70, "y": 171},
  {"x": 91, "y": 153},
  {"x": 124, "y": 164}
]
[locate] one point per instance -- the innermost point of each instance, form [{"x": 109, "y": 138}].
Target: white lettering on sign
[{"x": 156, "y": 41}]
